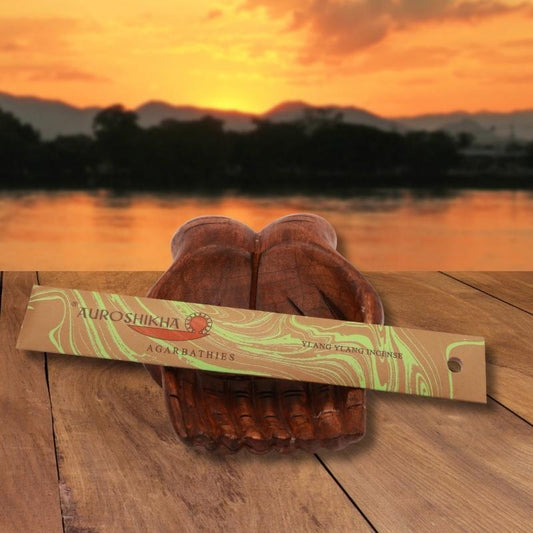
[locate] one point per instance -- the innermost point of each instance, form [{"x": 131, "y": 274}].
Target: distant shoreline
[
  {"x": 355, "y": 192},
  {"x": 319, "y": 154}
]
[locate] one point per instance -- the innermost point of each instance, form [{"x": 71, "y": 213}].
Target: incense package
[{"x": 257, "y": 343}]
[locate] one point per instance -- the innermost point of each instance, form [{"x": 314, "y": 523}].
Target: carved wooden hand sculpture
[{"x": 291, "y": 266}]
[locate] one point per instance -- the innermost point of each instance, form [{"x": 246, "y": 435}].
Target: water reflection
[{"x": 382, "y": 230}]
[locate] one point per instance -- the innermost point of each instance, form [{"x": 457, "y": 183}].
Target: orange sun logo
[{"x": 198, "y": 323}]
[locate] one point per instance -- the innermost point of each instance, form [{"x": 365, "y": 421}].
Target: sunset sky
[{"x": 393, "y": 57}]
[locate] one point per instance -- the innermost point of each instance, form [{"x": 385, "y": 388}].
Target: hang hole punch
[{"x": 455, "y": 365}]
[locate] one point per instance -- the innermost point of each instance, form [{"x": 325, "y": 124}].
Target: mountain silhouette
[
  {"x": 54, "y": 117},
  {"x": 153, "y": 112},
  {"x": 295, "y": 110},
  {"x": 50, "y": 117},
  {"x": 470, "y": 126},
  {"x": 517, "y": 124}
]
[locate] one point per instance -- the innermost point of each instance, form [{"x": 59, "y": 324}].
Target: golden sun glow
[
  {"x": 396, "y": 58},
  {"x": 230, "y": 102}
]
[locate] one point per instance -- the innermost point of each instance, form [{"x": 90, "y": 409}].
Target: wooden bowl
[{"x": 291, "y": 266}]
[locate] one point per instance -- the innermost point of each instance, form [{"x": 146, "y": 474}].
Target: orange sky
[{"x": 393, "y": 57}]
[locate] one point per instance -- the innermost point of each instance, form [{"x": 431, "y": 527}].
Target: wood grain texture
[
  {"x": 29, "y": 496},
  {"x": 123, "y": 468},
  {"x": 128, "y": 283},
  {"x": 430, "y": 300},
  {"x": 291, "y": 266},
  {"x": 425, "y": 465},
  {"x": 435, "y": 465},
  {"x": 515, "y": 288}
]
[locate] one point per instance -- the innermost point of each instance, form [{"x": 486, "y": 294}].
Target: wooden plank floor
[
  {"x": 434, "y": 301},
  {"x": 87, "y": 444},
  {"x": 29, "y": 493},
  {"x": 515, "y": 288}
]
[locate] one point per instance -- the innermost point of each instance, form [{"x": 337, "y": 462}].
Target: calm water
[{"x": 389, "y": 230}]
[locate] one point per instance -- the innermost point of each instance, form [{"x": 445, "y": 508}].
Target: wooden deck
[{"x": 87, "y": 446}]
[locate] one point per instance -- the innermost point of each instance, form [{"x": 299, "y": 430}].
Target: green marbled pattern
[{"x": 263, "y": 344}]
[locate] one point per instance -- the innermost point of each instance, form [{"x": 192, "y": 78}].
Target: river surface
[{"x": 385, "y": 230}]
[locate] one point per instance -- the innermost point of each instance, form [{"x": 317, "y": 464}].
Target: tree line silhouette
[{"x": 318, "y": 153}]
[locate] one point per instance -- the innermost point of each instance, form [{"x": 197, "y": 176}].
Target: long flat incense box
[{"x": 259, "y": 343}]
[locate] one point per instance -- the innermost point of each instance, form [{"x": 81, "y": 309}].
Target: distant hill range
[
  {"x": 53, "y": 117},
  {"x": 486, "y": 124}
]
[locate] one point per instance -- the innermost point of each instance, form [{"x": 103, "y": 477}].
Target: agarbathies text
[{"x": 207, "y": 354}]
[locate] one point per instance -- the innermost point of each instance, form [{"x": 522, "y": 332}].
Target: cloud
[
  {"x": 25, "y": 34},
  {"x": 40, "y": 49},
  {"x": 396, "y": 59},
  {"x": 64, "y": 74},
  {"x": 214, "y": 14},
  {"x": 519, "y": 43},
  {"x": 11, "y": 46},
  {"x": 339, "y": 28},
  {"x": 513, "y": 79},
  {"x": 392, "y": 60},
  {"x": 54, "y": 72}
]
